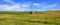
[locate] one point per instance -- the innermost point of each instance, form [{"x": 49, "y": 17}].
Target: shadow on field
[
  {"x": 44, "y": 22},
  {"x": 2, "y": 19},
  {"x": 23, "y": 22}
]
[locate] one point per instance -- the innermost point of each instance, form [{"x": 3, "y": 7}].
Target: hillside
[{"x": 24, "y": 18}]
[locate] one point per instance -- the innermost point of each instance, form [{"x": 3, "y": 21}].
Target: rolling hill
[{"x": 24, "y": 18}]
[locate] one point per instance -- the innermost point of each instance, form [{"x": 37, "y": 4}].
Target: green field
[{"x": 24, "y": 18}]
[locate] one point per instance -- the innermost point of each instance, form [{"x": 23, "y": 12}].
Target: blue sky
[{"x": 28, "y": 5}]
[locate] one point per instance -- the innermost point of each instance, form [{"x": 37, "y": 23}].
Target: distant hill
[
  {"x": 51, "y": 12},
  {"x": 54, "y": 13}
]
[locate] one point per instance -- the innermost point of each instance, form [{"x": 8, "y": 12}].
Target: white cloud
[
  {"x": 49, "y": 6},
  {"x": 14, "y": 7},
  {"x": 36, "y": 4},
  {"x": 7, "y": 7},
  {"x": 25, "y": 5},
  {"x": 22, "y": 7}
]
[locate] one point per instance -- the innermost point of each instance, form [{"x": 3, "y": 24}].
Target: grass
[{"x": 24, "y": 18}]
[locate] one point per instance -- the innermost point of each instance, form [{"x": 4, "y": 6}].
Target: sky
[{"x": 29, "y": 5}]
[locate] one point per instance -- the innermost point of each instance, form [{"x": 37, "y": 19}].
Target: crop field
[{"x": 25, "y": 18}]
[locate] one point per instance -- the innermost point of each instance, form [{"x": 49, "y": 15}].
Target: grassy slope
[{"x": 23, "y": 18}]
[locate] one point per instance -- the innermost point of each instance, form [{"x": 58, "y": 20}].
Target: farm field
[{"x": 24, "y": 18}]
